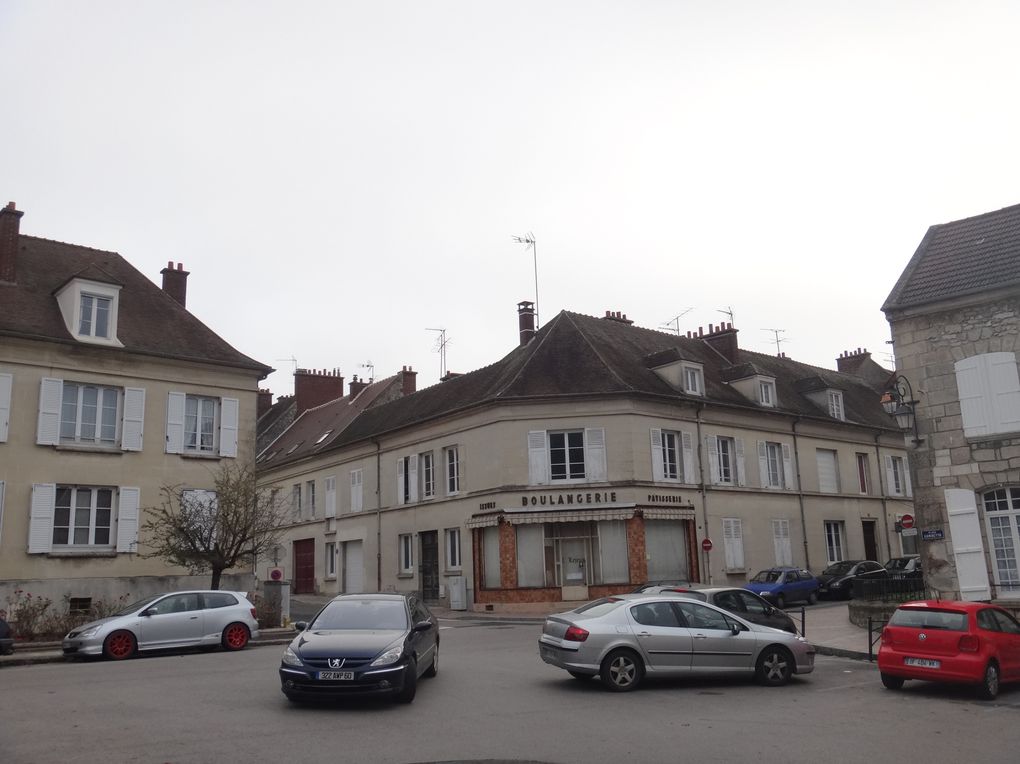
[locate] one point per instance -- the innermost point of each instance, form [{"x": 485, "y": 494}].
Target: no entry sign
[
  {"x": 907, "y": 521},
  {"x": 706, "y": 545}
]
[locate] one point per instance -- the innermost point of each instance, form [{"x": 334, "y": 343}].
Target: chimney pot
[
  {"x": 526, "y": 321},
  {"x": 175, "y": 282},
  {"x": 10, "y": 236},
  {"x": 313, "y": 387}
]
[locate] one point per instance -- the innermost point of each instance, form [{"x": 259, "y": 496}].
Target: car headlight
[
  {"x": 89, "y": 632},
  {"x": 836, "y": 584},
  {"x": 390, "y": 656},
  {"x": 290, "y": 657}
]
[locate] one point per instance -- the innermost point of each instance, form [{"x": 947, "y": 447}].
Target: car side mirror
[
  {"x": 147, "y": 613},
  {"x": 734, "y": 630},
  {"x": 301, "y": 625},
  {"x": 422, "y": 626}
]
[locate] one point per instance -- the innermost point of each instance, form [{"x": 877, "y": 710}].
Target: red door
[{"x": 304, "y": 566}]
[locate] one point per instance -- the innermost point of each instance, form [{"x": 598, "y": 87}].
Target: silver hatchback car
[
  {"x": 175, "y": 620},
  {"x": 626, "y": 637}
]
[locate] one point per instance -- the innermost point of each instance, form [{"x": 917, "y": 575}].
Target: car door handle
[
  {"x": 644, "y": 634},
  {"x": 700, "y": 636}
]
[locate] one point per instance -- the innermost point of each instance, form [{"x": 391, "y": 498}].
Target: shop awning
[{"x": 523, "y": 517}]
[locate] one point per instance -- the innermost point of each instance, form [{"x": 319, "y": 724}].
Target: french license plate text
[
  {"x": 343, "y": 676},
  {"x": 923, "y": 662}
]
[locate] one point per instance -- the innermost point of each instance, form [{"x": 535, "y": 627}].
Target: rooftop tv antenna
[
  {"x": 528, "y": 240},
  {"x": 674, "y": 323},
  {"x": 441, "y": 343},
  {"x": 727, "y": 312},
  {"x": 371, "y": 369},
  {"x": 777, "y": 339},
  {"x": 292, "y": 360}
]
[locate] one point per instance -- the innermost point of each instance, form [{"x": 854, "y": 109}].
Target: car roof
[
  {"x": 391, "y": 596},
  {"x": 957, "y": 605}
]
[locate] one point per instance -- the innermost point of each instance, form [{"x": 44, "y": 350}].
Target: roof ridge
[{"x": 76, "y": 246}]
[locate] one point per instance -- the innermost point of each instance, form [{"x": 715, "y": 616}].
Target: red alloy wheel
[
  {"x": 235, "y": 636},
  {"x": 119, "y": 645}
]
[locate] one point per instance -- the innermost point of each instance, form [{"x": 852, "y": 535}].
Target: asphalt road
[{"x": 493, "y": 700}]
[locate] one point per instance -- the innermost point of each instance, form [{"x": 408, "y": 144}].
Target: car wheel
[
  {"x": 775, "y": 666},
  {"x": 892, "y": 682},
  {"x": 406, "y": 695},
  {"x": 235, "y": 637},
  {"x": 990, "y": 684},
  {"x": 579, "y": 675},
  {"x": 119, "y": 645},
  {"x": 781, "y": 602},
  {"x": 622, "y": 670},
  {"x": 433, "y": 668},
  {"x": 812, "y": 598}
]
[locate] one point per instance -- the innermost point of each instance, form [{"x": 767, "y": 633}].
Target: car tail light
[
  {"x": 886, "y": 636},
  {"x": 970, "y": 643},
  {"x": 575, "y": 634},
  {"x": 253, "y": 613}
]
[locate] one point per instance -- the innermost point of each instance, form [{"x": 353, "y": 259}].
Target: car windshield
[
  {"x": 898, "y": 563},
  {"x": 361, "y": 615},
  {"x": 927, "y": 618},
  {"x": 838, "y": 569},
  {"x": 767, "y": 577},
  {"x": 134, "y": 607}
]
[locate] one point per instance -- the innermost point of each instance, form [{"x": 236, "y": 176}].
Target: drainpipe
[
  {"x": 881, "y": 492},
  {"x": 800, "y": 495},
  {"x": 704, "y": 493},
  {"x": 378, "y": 515}
]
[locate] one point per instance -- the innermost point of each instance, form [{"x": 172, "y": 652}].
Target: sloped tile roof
[
  {"x": 149, "y": 322},
  {"x": 574, "y": 355},
  {"x": 961, "y": 258}
]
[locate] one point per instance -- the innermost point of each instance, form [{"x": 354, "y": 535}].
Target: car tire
[
  {"x": 580, "y": 675},
  {"x": 235, "y": 637},
  {"x": 781, "y": 602},
  {"x": 812, "y": 599},
  {"x": 119, "y": 645},
  {"x": 622, "y": 670},
  {"x": 433, "y": 668},
  {"x": 774, "y": 667},
  {"x": 406, "y": 695},
  {"x": 892, "y": 682},
  {"x": 989, "y": 689}
]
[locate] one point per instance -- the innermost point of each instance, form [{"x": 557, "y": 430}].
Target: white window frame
[
  {"x": 6, "y": 386},
  {"x": 95, "y": 303},
  {"x": 357, "y": 490},
  {"x": 836, "y": 411},
  {"x": 820, "y": 461},
  {"x": 733, "y": 543},
  {"x": 330, "y": 560},
  {"x": 897, "y": 471},
  {"x": 694, "y": 378},
  {"x": 835, "y": 541},
  {"x": 570, "y": 475},
  {"x": 224, "y": 425},
  {"x": 428, "y": 475},
  {"x": 407, "y": 479},
  {"x": 540, "y": 456},
  {"x": 767, "y": 393},
  {"x": 453, "y": 558},
  {"x": 451, "y": 458},
  {"x": 405, "y": 542},
  {"x": 295, "y": 500},
  {"x": 124, "y": 511},
  {"x": 310, "y": 497},
  {"x": 129, "y": 415},
  {"x": 1001, "y": 508},
  {"x": 329, "y": 488},
  {"x": 726, "y": 459},
  {"x": 863, "y": 473},
  {"x": 774, "y": 463}
]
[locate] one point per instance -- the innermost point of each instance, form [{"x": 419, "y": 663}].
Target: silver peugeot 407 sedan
[{"x": 626, "y": 637}]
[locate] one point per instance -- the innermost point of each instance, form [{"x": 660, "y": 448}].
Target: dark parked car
[
  {"x": 362, "y": 644},
  {"x": 747, "y": 605},
  {"x": 782, "y": 585},
  {"x": 904, "y": 567},
  {"x": 837, "y": 580}
]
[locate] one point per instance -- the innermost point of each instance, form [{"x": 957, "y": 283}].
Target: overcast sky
[{"x": 341, "y": 177}]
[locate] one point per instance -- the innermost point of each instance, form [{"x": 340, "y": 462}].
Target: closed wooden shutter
[
  {"x": 968, "y": 547},
  {"x": 733, "y": 543},
  {"x": 133, "y": 430},
  {"x": 51, "y": 393},
  {"x": 657, "y": 471},
  {"x": 127, "y": 519},
  {"x": 175, "y": 423},
  {"x": 354, "y": 568},
  {"x": 412, "y": 477},
  {"x": 331, "y": 496},
  {"x": 763, "y": 464},
  {"x": 6, "y": 383},
  {"x": 688, "y": 447},
  {"x": 538, "y": 458},
  {"x": 788, "y": 481},
  {"x": 712, "y": 446},
  {"x": 741, "y": 476},
  {"x": 400, "y": 480},
  {"x": 229, "y": 411},
  {"x": 781, "y": 541},
  {"x": 828, "y": 475},
  {"x": 1, "y": 510},
  {"x": 40, "y": 526},
  {"x": 595, "y": 454}
]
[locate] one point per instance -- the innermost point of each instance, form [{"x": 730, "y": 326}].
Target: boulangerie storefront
[{"x": 554, "y": 547}]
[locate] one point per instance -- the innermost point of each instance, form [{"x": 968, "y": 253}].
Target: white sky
[{"x": 340, "y": 176}]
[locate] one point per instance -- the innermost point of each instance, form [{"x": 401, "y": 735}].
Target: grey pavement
[{"x": 826, "y": 625}]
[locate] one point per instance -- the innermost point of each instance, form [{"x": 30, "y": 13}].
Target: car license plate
[
  {"x": 923, "y": 662},
  {"x": 341, "y": 676}
]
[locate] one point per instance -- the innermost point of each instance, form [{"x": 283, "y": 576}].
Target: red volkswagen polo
[{"x": 940, "y": 641}]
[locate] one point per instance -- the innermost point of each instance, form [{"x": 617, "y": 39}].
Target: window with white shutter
[
  {"x": 835, "y": 549},
  {"x": 199, "y": 424},
  {"x": 781, "y": 541},
  {"x": 989, "y": 390},
  {"x": 330, "y": 488},
  {"x": 968, "y": 546},
  {"x": 128, "y": 509},
  {"x": 828, "y": 470},
  {"x": 357, "y": 495},
  {"x": 733, "y": 543},
  {"x": 6, "y": 383},
  {"x": 1, "y": 510}
]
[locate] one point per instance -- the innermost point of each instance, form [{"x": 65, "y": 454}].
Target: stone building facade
[{"x": 955, "y": 319}]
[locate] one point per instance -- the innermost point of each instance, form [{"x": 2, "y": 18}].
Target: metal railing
[
  {"x": 875, "y": 626},
  {"x": 891, "y": 590}
]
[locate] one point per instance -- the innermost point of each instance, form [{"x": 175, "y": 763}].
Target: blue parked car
[{"x": 784, "y": 585}]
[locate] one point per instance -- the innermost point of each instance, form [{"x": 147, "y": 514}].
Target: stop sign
[
  {"x": 907, "y": 521},
  {"x": 706, "y": 545}
]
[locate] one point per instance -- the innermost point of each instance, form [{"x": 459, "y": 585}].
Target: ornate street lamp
[{"x": 899, "y": 402}]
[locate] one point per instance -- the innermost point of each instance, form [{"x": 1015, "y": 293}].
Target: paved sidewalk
[{"x": 827, "y": 626}]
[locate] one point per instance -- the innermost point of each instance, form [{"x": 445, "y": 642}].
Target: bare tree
[{"x": 215, "y": 530}]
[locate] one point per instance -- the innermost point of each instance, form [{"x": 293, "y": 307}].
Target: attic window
[
  {"x": 324, "y": 435},
  {"x": 694, "y": 379},
  {"x": 293, "y": 448},
  {"x": 836, "y": 405},
  {"x": 767, "y": 392},
  {"x": 90, "y": 310}
]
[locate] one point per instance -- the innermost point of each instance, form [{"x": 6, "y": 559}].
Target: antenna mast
[
  {"x": 440, "y": 348},
  {"x": 778, "y": 339},
  {"x": 371, "y": 369},
  {"x": 674, "y": 323},
  {"x": 529, "y": 241}
]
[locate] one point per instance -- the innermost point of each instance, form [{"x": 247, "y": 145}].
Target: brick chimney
[
  {"x": 357, "y": 385},
  {"x": 526, "y": 321},
  {"x": 615, "y": 315},
  {"x": 850, "y": 362},
  {"x": 408, "y": 381},
  {"x": 313, "y": 387},
  {"x": 722, "y": 339},
  {"x": 264, "y": 402},
  {"x": 175, "y": 282},
  {"x": 10, "y": 225}
]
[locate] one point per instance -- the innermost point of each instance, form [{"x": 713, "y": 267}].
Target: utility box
[
  {"x": 458, "y": 592},
  {"x": 277, "y": 596}
]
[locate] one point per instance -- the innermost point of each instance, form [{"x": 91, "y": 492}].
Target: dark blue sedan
[{"x": 783, "y": 585}]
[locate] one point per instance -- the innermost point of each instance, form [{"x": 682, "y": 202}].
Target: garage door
[{"x": 354, "y": 568}]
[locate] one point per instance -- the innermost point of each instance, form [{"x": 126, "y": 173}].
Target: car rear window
[
  {"x": 219, "y": 599},
  {"x": 929, "y": 618},
  {"x": 599, "y": 607}
]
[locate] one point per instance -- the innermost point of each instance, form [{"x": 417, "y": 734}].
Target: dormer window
[
  {"x": 766, "y": 392},
  {"x": 694, "y": 379},
  {"x": 90, "y": 310},
  {"x": 836, "y": 404}
]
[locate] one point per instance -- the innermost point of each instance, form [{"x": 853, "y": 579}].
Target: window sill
[
  {"x": 199, "y": 455},
  {"x": 91, "y": 552},
  {"x": 405, "y": 575},
  {"x": 86, "y": 448},
  {"x": 453, "y": 572},
  {"x": 734, "y": 571}
]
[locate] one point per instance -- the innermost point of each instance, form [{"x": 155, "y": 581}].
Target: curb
[{"x": 840, "y": 652}]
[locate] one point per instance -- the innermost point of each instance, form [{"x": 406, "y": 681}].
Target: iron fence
[{"x": 892, "y": 590}]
